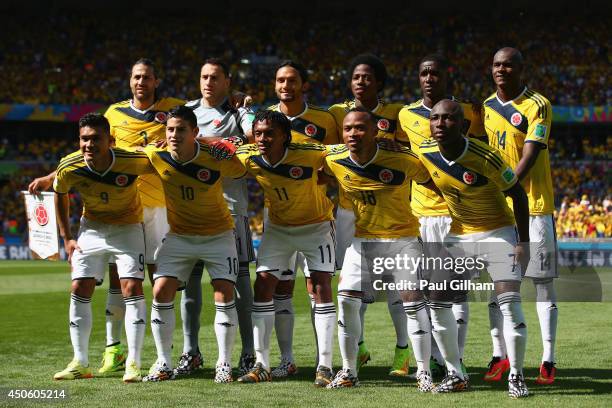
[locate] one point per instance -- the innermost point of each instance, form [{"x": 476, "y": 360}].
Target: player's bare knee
[
  {"x": 507, "y": 286},
  {"x": 113, "y": 276},
  {"x": 131, "y": 287},
  {"x": 164, "y": 289},
  {"x": 411, "y": 296},
  {"x": 321, "y": 286},
  {"x": 83, "y": 287},
  {"x": 285, "y": 287},
  {"x": 265, "y": 283},
  {"x": 224, "y": 290}
]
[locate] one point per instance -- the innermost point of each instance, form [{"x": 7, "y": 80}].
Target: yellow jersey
[
  {"x": 110, "y": 197},
  {"x": 194, "y": 191},
  {"x": 509, "y": 125},
  {"x": 414, "y": 120},
  {"x": 379, "y": 191},
  {"x": 313, "y": 125},
  {"x": 385, "y": 115},
  {"x": 472, "y": 186},
  {"x": 133, "y": 128},
  {"x": 291, "y": 193}
]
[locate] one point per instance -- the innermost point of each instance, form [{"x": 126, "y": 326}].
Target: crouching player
[
  {"x": 201, "y": 228},
  {"x": 376, "y": 179},
  {"x": 111, "y": 225},
  {"x": 473, "y": 180}
]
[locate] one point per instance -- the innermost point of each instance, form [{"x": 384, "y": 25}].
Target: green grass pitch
[{"x": 34, "y": 343}]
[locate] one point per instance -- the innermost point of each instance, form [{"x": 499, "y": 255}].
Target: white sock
[
  {"x": 325, "y": 320},
  {"x": 226, "y": 323},
  {"x": 435, "y": 351},
  {"x": 362, "y": 312},
  {"x": 163, "y": 321},
  {"x": 515, "y": 329},
  {"x": 444, "y": 328},
  {"x": 547, "y": 315},
  {"x": 419, "y": 331},
  {"x": 115, "y": 310},
  {"x": 135, "y": 324},
  {"x": 496, "y": 323},
  {"x": 263, "y": 323},
  {"x": 80, "y": 327},
  {"x": 283, "y": 324},
  {"x": 244, "y": 304},
  {"x": 314, "y": 327},
  {"x": 398, "y": 316},
  {"x": 349, "y": 327},
  {"x": 461, "y": 311}
]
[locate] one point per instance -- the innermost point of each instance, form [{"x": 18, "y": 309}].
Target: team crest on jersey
[
  {"x": 310, "y": 130},
  {"x": 121, "y": 180},
  {"x": 217, "y": 123},
  {"x": 383, "y": 124},
  {"x": 296, "y": 172},
  {"x": 41, "y": 215},
  {"x": 516, "y": 119},
  {"x": 161, "y": 117},
  {"x": 469, "y": 177},
  {"x": 203, "y": 175},
  {"x": 385, "y": 175}
]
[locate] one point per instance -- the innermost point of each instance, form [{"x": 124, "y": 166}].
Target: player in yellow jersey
[
  {"x": 377, "y": 183},
  {"x": 310, "y": 124},
  {"x": 111, "y": 225},
  {"x": 201, "y": 228},
  {"x": 431, "y": 209},
  {"x": 368, "y": 75},
  {"x": 518, "y": 122},
  {"x": 300, "y": 220},
  {"x": 473, "y": 180}
]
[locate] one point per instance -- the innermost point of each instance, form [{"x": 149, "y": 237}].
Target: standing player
[
  {"x": 426, "y": 204},
  {"x": 300, "y": 220},
  {"x": 310, "y": 124},
  {"x": 473, "y": 180},
  {"x": 135, "y": 123},
  {"x": 377, "y": 183},
  {"x": 518, "y": 122},
  {"x": 111, "y": 225},
  {"x": 217, "y": 119},
  {"x": 201, "y": 228},
  {"x": 368, "y": 76}
]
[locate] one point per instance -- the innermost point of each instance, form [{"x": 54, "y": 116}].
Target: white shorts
[
  {"x": 495, "y": 248},
  {"x": 244, "y": 241},
  {"x": 543, "y": 247},
  {"x": 179, "y": 253},
  {"x": 345, "y": 231},
  {"x": 100, "y": 241},
  {"x": 280, "y": 243},
  {"x": 353, "y": 278},
  {"x": 156, "y": 227},
  {"x": 435, "y": 229}
]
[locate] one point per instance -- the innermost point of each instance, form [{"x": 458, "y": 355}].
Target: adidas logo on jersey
[
  {"x": 487, "y": 117},
  {"x": 416, "y": 123},
  {"x": 435, "y": 174},
  {"x": 347, "y": 177},
  {"x": 166, "y": 173}
]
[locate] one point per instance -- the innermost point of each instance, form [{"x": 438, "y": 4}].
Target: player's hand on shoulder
[
  {"x": 240, "y": 100},
  {"x": 161, "y": 144}
]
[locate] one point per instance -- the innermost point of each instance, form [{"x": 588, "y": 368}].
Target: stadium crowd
[{"x": 74, "y": 58}]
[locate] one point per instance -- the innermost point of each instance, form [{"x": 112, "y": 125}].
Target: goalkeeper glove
[{"x": 225, "y": 148}]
